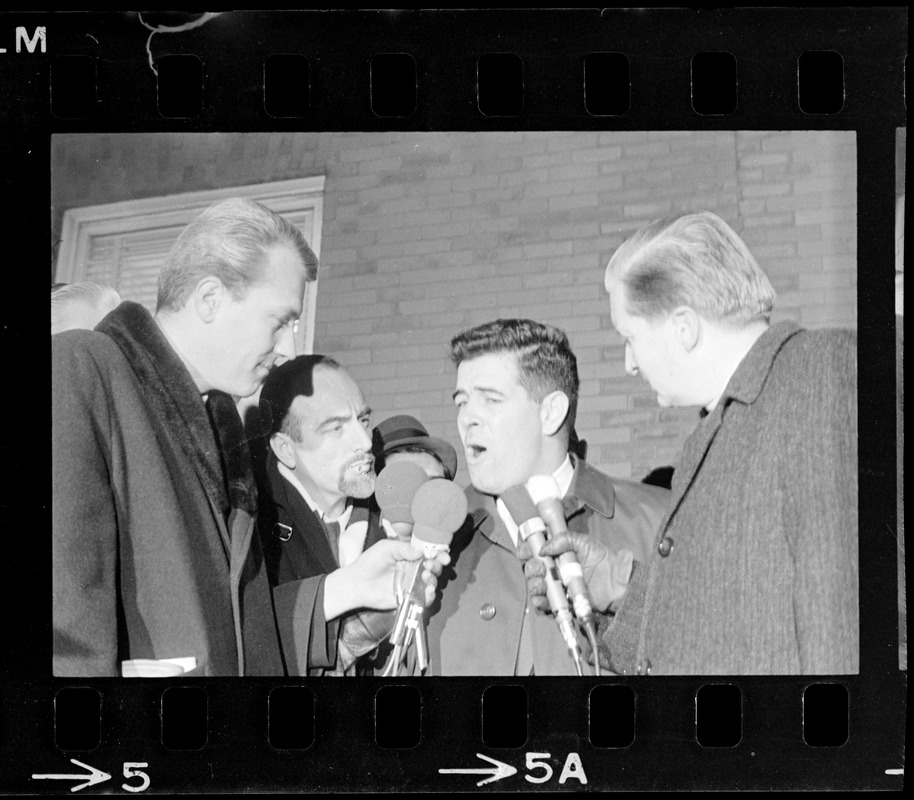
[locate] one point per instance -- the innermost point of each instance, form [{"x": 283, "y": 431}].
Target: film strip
[{"x": 397, "y": 73}]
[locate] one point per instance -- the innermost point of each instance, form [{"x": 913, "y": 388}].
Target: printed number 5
[
  {"x": 534, "y": 762},
  {"x": 130, "y": 772}
]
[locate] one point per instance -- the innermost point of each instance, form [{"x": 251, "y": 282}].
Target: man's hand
[
  {"x": 369, "y": 581},
  {"x": 605, "y": 572}
]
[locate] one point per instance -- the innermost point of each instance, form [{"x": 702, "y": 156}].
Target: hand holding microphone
[
  {"x": 395, "y": 488},
  {"x": 439, "y": 508},
  {"x": 544, "y": 491},
  {"x": 532, "y": 530},
  {"x": 606, "y": 572}
]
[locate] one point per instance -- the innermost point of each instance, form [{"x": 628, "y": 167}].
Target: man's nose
[
  {"x": 362, "y": 437},
  {"x": 466, "y": 416},
  {"x": 285, "y": 344}
]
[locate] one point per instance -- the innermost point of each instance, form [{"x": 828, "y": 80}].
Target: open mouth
[
  {"x": 362, "y": 467},
  {"x": 475, "y": 451}
]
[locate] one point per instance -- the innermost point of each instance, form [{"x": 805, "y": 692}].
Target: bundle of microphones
[
  {"x": 535, "y": 508},
  {"x": 428, "y": 512}
]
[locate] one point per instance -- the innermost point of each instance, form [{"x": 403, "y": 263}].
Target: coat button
[
  {"x": 665, "y": 547},
  {"x": 283, "y": 532},
  {"x": 644, "y": 667},
  {"x": 487, "y": 611}
]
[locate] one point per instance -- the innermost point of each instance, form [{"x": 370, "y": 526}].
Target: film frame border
[{"x": 874, "y": 108}]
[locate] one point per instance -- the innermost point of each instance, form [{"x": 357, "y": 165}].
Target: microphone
[
  {"x": 532, "y": 529},
  {"x": 395, "y": 488},
  {"x": 544, "y": 491},
  {"x": 439, "y": 508}
]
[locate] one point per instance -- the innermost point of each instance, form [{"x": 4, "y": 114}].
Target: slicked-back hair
[
  {"x": 229, "y": 240},
  {"x": 695, "y": 260},
  {"x": 294, "y": 378},
  {"x": 545, "y": 362}
]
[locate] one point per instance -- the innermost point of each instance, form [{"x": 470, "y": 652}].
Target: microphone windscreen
[
  {"x": 543, "y": 487},
  {"x": 395, "y": 488},
  {"x": 519, "y": 504},
  {"x": 439, "y": 509}
]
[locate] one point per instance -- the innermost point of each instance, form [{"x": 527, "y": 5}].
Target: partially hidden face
[
  {"x": 333, "y": 451},
  {"x": 256, "y": 331},
  {"x": 500, "y": 424},
  {"x": 652, "y": 349},
  {"x": 432, "y": 466},
  {"x": 83, "y": 314}
]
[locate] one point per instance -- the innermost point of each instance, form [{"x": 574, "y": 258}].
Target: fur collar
[{"x": 211, "y": 435}]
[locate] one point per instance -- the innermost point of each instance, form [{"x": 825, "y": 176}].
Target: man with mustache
[{"x": 321, "y": 537}]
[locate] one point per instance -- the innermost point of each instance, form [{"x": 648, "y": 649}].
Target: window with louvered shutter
[{"x": 125, "y": 244}]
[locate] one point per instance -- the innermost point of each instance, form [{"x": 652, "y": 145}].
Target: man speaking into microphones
[{"x": 516, "y": 397}]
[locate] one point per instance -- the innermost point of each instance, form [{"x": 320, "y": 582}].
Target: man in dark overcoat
[
  {"x": 156, "y": 566},
  {"x": 319, "y": 529}
]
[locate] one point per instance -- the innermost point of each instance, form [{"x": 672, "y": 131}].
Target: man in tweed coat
[{"x": 754, "y": 570}]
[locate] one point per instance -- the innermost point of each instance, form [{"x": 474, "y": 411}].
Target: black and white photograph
[
  {"x": 657, "y": 326},
  {"x": 454, "y": 400}
]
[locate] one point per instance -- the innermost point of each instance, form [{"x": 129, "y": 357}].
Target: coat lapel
[
  {"x": 589, "y": 489},
  {"x": 744, "y": 387},
  {"x": 488, "y": 522},
  {"x": 693, "y": 454},
  {"x": 308, "y": 548}
]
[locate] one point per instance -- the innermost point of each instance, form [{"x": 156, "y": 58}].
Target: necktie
[
  {"x": 333, "y": 536},
  {"x": 525, "y": 661}
]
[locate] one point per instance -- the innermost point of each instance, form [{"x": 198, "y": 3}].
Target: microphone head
[
  {"x": 519, "y": 504},
  {"x": 543, "y": 487},
  {"x": 439, "y": 509},
  {"x": 395, "y": 488}
]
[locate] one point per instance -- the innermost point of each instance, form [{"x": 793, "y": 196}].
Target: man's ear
[
  {"x": 687, "y": 327},
  {"x": 283, "y": 450},
  {"x": 208, "y": 295},
  {"x": 553, "y": 410}
]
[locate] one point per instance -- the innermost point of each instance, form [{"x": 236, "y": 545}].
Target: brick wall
[{"x": 427, "y": 234}]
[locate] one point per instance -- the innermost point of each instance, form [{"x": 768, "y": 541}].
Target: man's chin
[
  {"x": 359, "y": 487},
  {"x": 487, "y": 484}
]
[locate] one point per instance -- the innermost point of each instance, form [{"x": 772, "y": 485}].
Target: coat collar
[
  {"x": 291, "y": 510},
  {"x": 590, "y": 488},
  {"x": 223, "y": 463},
  {"x": 752, "y": 372},
  {"x": 744, "y": 387}
]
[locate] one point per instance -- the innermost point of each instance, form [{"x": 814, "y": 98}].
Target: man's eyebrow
[
  {"x": 484, "y": 389},
  {"x": 334, "y": 419}
]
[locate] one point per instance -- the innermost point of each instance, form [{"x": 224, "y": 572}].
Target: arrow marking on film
[
  {"x": 499, "y": 771},
  {"x": 94, "y": 776}
]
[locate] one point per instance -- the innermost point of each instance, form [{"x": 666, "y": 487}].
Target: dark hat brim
[{"x": 443, "y": 450}]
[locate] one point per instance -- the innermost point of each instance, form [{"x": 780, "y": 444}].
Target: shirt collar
[
  {"x": 342, "y": 519},
  {"x": 562, "y": 475}
]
